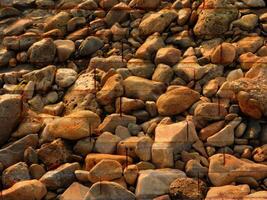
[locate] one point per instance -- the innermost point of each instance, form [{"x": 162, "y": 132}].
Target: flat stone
[
  {"x": 18, "y": 27},
  {"x": 106, "y": 64}
]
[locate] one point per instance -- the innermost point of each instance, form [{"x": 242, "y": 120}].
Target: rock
[
  {"x": 188, "y": 188},
  {"x": 7, "y": 12},
  {"x": 256, "y": 195},
  {"x": 223, "y": 54},
  {"x": 108, "y": 190},
  {"x": 15, "y": 173},
  {"x": 105, "y": 170},
  {"x": 168, "y": 55},
  {"x": 194, "y": 169},
  {"x": 249, "y": 44},
  {"x": 214, "y": 21},
  {"x": 144, "y": 89},
  {"x": 112, "y": 89},
  {"x": 163, "y": 73},
  {"x": 80, "y": 95},
  {"x": 43, "y": 52},
  {"x": 254, "y": 3},
  {"x": 225, "y": 172},
  {"x": 54, "y": 153},
  {"x": 180, "y": 95},
  {"x": 183, "y": 16},
  {"x": 152, "y": 183},
  {"x": 14, "y": 152},
  {"x": 235, "y": 75},
  {"x": 94, "y": 158},
  {"x": 122, "y": 132},
  {"x": 211, "y": 130},
  {"x": 36, "y": 171},
  {"x": 157, "y": 22},
  {"x": 117, "y": 13},
  {"x": 75, "y": 191},
  {"x": 149, "y": 48},
  {"x": 106, "y": 143},
  {"x": 225, "y": 136},
  {"x": 77, "y": 22},
  {"x": 82, "y": 175},
  {"x": 90, "y": 45},
  {"x": 146, "y": 5},
  {"x": 59, "y": 21},
  {"x": 5, "y": 56},
  {"x": 84, "y": 146},
  {"x": 228, "y": 191},
  {"x": 74, "y": 126},
  {"x": 130, "y": 174},
  {"x": 61, "y": 177},
  {"x": 260, "y": 153},
  {"x": 25, "y": 190},
  {"x": 18, "y": 27},
  {"x": 171, "y": 139},
  {"x": 141, "y": 68},
  {"x": 30, "y": 156},
  {"x": 65, "y": 48},
  {"x": 127, "y": 105},
  {"x": 247, "y": 22},
  {"x": 65, "y": 77},
  {"x": 112, "y": 121},
  {"x": 10, "y": 114},
  {"x": 106, "y": 64}
]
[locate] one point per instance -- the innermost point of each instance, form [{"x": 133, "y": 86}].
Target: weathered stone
[
  {"x": 141, "y": 68},
  {"x": 168, "y": 56},
  {"x": 5, "y": 56},
  {"x": 144, "y": 4},
  {"x": 106, "y": 143},
  {"x": 59, "y": 21},
  {"x": 117, "y": 13},
  {"x": 64, "y": 49},
  {"x": 18, "y": 27},
  {"x": 90, "y": 45},
  {"x": 106, "y": 64},
  {"x": 75, "y": 191},
  {"x": 65, "y": 77}
]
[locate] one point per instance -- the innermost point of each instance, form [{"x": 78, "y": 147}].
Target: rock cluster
[{"x": 133, "y": 99}]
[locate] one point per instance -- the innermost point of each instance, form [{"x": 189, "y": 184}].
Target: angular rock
[
  {"x": 168, "y": 56},
  {"x": 61, "y": 177},
  {"x": 75, "y": 191}
]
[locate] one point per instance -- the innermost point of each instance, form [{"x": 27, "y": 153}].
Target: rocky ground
[{"x": 133, "y": 99}]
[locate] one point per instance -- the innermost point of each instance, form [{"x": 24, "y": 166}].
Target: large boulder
[{"x": 10, "y": 114}]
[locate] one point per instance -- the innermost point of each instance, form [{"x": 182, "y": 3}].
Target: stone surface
[
  {"x": 64, "y": 49},
  {"x": 65, "y": 77},
  {"x": 90, "y": 45},
  {"x": 75, "y": 191}
]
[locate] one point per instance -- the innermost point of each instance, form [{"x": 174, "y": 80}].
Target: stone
[
  {"x": 183, "y": 16},
  {"x": 84, "y": 146},
  {"x": 224, "y": 54},
  {"x": 7, "y": 12},
  {"x": 256, "y": 196},
  {"x": 36, "y": 171},
  {"x": 30, "y": 156},
  {"x": 108, "y": 4},
  {"x": 228, "y": 191},
  {"x": 260, "y": 153},
  {"x": 76, "y": 22},
  {"x": 225, "y": 136},
  {"x": 153, "y": 183},
  {"x": 130, "y": 174},
  {"x": 42, "y": 78},
  {"x": 235, "y": 75},
  {"x": 149, "y": 48},
  {"x": 249, "y": 44},
  {"x": 25, "y": 190},
  {"x": 5, "y": 56},
  {"x": 194, "y": 169},
  {"x": 54, "y": 154},
  {"x": 15, "y": 173},
  {"x": 144, "y": 4},
  {"x": 122, "y": 132},
  {"x": 225, "y": 169},
  {"x": 18, "y": 27},
  {"x": 75, "y": 191},
  {"x": 141, "y": 68},
  {"x": 14, "y": 152},
  {"x": 42, "y": 52},
  {"x": 58, "y": 21},
  {"x": 163, "y": 73},
  {"x": 247, "y": 22},
  {"x": 188, "y": 188},
  {"x": 210, "y": 130},
  {"x": 254, "y": 3},
  {"x": 106, "y": 64},
  {"x": 105, "y": 170},
  {"x": 108, "y": 190},
  {"x": 106, "y": 143},
  {"x": 127, "y": 105},
  {"x": 77, "y": 125},
  {"x": 157, "y": 22},
  {"x": 118, "y": 13},
  {"x": 82, "y": 175},
  {"x": 65, "y": 77},
  {"x": 111, "y": 89},
  {"x": 90, "y": 45},
  {"x": 172, "y": 139},
  {"x": 210, "y": 88},
  {"x": 168, "y": 55},
  {"x": 94, "y": 158},
  {"x": 112, "y": 121},
  {"x": 179, "y": 95},
  {"x": 61, "y": 177},
  {"x": 141, "y": 88},
  {"x": 65, "y": 48},
  {"x": 10, "y": 114},
  {"x": 214, "y": 21}
]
